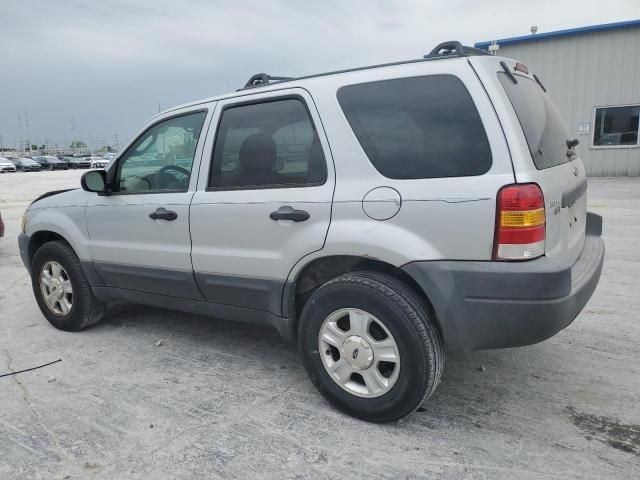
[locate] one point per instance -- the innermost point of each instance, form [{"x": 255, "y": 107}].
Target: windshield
[{"x": 543, "y": 127}]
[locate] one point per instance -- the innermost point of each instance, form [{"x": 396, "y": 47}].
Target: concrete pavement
[{"x": 222, "y": 400}]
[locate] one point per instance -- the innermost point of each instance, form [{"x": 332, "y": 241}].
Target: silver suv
[{"x": 378, "y": 216}]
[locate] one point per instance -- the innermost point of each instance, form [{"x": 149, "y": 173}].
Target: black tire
[
  {"x": 407, "y": 318},
  {"x": 85, "y": 310}
]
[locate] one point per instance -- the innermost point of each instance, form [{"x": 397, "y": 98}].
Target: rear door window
[
  {"x": 418, "y": 127},
  {"x": 543, "y": 127},
  {"x": 271, "y": 144}
]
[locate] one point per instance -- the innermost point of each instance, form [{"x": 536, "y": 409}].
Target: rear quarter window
[{"x": 418, "y": 127}]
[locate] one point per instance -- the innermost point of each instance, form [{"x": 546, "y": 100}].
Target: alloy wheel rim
[
  {"x": 56, "y": 288},
  {"x": 359, "y": 353}
]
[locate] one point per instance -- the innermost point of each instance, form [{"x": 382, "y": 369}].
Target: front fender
[{"x": 68, "y": 222}]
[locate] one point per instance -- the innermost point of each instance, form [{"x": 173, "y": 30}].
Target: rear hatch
[{"x": 553, "y": 164}]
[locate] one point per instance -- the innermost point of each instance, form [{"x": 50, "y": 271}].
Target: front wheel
[
  {"x": 370, "y": 346},
  {"x": 61, "y": 288}
]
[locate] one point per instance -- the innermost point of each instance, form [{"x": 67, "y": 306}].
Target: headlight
[{"x": 24, "y": 223}]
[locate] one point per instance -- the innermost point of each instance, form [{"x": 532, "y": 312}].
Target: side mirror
[{"x": 94, "y": 181}]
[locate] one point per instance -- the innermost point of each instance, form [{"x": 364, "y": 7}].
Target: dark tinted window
[
  {"x": 420, "y": 127},
  {"x": 543, "y": 127},
  {"x": 271, "y": 144},
  {"x": 616, "y": 126}
]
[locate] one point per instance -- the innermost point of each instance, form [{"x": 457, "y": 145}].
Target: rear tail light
[{"x": 520, "y": 223}]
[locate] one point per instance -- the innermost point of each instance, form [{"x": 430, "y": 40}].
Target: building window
[{"x": 616, "y": 126}]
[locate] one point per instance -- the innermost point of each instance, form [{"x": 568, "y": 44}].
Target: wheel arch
[
  {"x": 39, "y": 238},
  {"x": 320, "y": 270}
]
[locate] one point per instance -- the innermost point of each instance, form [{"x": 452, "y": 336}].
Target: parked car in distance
[
  {"x": 109, "y": 156},
  {"x": 97, "y": 162},
  {"x": 25, "y": 164},
  {"x": 77, "y": 162},
  {"x": 50, "y": 162},
  {"x": 448, "y": 213},
  {"x": 6, "y": 165}
]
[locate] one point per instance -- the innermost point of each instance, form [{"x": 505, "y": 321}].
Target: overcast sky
[{"x": 89, "y": 69}]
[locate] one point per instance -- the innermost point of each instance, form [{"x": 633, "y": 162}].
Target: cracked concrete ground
[{"x": 224, "y": 400}]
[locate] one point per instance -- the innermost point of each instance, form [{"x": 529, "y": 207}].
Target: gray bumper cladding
[
  {"x": 485, "y": 305},
  {"x": 23, "y": 245}
]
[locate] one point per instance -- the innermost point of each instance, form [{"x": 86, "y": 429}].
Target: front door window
[{"x": 162, "y": 157}]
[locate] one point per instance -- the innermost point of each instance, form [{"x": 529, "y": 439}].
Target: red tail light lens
[{"x": 520, "y": 223}]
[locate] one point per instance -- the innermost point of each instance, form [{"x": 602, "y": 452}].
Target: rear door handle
[
  {"x": 163, "y": 214},
  {"x": 288, "y": 213}
]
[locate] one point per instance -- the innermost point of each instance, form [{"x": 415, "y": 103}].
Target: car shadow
[{"x": 478, "y": 389}]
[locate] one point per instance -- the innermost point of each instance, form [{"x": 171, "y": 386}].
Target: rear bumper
[{"x": 486, "y": 305}]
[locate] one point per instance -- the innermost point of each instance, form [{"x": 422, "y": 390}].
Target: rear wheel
[
  {"x": 61, "y": 288},
  {"x": 370, "y": 346}
]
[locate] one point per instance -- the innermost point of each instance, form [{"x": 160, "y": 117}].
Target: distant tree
[
  {"x": 34, "y": 147},
  {"x": 78, "y": 144},
  {"x": 42, "y": 147}
]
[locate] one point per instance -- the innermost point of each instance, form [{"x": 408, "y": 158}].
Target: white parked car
[
  {"x": 377, "y": 216},
  {"x": 6, "y": 165},
  {"x": 97, "y": 162}
]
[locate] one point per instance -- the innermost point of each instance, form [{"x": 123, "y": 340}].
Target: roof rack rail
[
  {"x": 454, "y": 48},
  {"x": 260, "y": 79},
  {"x": 450, "y": 49}
]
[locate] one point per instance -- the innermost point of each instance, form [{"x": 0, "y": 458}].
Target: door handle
[
  {"x": 288, "y": 213},
  {"x": 163, "y": 214}
]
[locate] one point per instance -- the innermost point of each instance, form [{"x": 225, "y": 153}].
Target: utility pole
[
  {"x": 26, "y": 121},
  {"x": 115, "y": 136},
  {"x": 73, "y": 137},
  {"x": 19, "y": 129}
]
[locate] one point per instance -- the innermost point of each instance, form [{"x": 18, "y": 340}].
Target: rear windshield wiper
[
  {"x": 511, "y": 76},
  {"x": 571, "y": 144},
  {"x": 535, "y": 77}
]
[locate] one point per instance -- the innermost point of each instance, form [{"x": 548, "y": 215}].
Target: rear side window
[
  {"x": 543, "y": 127},
  {"x": 419, "y": 127}
]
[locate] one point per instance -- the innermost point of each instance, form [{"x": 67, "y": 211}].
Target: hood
[{"x": 75, "y": 197}]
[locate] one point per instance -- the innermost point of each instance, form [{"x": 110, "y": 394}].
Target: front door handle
[
  {"x": 288, "y": 213},
  {"x": 163, "y": 214}
]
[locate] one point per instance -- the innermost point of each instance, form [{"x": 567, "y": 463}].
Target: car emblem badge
[{"x": 355, "y": 354}]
